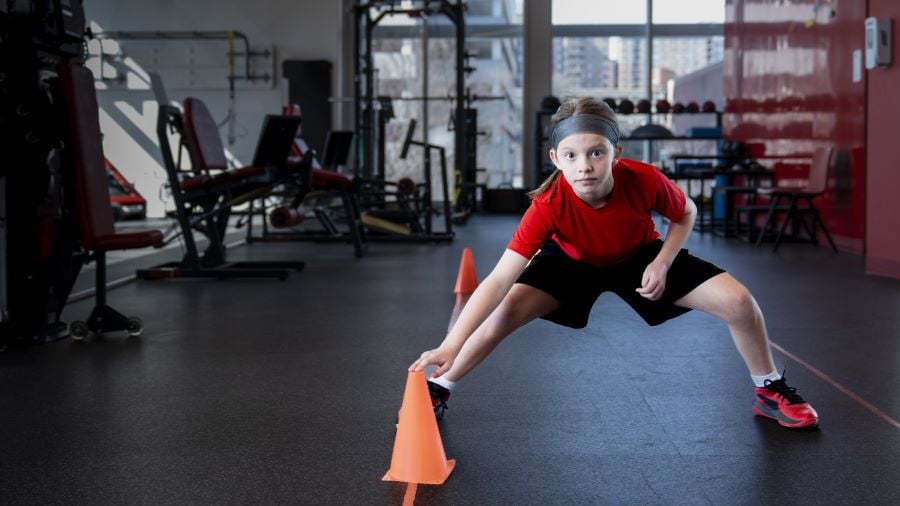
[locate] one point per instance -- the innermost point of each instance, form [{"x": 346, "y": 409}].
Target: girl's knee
[
  {"x": 740, "y": 306},
  {"x": 512, "y": 313},
  {"x": 505, "y": 319}
]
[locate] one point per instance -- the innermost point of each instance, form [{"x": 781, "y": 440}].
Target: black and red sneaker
[
  {"x": 439, "y": 396},
  {"x": 780, "y": 402}
]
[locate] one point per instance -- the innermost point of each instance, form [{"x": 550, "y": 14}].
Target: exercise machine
[
  {"x": 426, "y": 230},
  {"x": 204, "y": 194},
  {"x": 55, "y": 213},
  {"x": 40, "y": 257},
  {"x": 310, "y": 185},
  {"x": 367, "y": 105}
]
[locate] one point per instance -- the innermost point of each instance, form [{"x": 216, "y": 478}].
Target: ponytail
[{"x": 550, "y": 181}]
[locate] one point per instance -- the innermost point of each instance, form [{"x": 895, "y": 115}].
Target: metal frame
[
  {"x": 368, "y": 15},
  {"x": 4, "y": 305},
  {"x": 489, "y": 29},
  {"x": 500, "y": 31}
]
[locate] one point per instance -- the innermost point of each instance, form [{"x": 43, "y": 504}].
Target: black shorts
[{"x": 576, "y": 285}]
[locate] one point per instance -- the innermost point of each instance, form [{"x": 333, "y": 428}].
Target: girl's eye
[
  {"x": 597, "y": 153},
  {"x": 569, "y": 156}
]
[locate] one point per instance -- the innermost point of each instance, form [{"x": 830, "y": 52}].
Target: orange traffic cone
[
  {"x": 466, "y": 283},
  {"x": 467, "y": 279},
  {"x": 418, "y": 451}
]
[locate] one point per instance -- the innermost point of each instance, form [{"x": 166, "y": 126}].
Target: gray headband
[{"x": 585, "y": 123}]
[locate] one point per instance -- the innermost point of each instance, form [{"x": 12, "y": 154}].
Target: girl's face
[{"x": 586, "y": 161}]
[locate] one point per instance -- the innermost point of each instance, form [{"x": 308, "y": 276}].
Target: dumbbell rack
[{"x": 705, "y": 217}]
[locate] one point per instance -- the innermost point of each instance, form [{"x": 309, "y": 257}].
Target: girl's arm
[
  {"x": 484, "y": 300},
  {"x": 654, "y": 280},
  {"x": 678, "y": 233}
]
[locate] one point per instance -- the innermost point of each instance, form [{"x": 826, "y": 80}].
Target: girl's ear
[
  {"x": 618, "y": 155},
  {"x": 553, "y": 157}
]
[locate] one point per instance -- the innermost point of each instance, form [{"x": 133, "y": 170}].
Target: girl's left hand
[{"x": 653, "y": 283}]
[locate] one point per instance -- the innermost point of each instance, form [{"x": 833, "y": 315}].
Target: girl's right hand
[{"x": 439, "y": 356}]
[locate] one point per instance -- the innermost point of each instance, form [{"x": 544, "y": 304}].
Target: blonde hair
[{"x": 571, "y": 107}]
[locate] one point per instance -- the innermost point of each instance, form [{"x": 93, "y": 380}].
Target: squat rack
[{"x": 368, "y": 15}]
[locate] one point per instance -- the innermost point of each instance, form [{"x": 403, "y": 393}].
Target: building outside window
[{"x": 600, "y": 50}]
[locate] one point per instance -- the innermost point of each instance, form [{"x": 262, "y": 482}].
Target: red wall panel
[
  {"x": 788, "y": 85},
  {"x": 883, "y": 155}
]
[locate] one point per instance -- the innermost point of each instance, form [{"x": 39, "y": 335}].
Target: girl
[{"x": 589, "y": 230}]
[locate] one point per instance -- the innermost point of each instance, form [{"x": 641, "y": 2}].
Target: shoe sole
[{"x": 783, "y": 420}]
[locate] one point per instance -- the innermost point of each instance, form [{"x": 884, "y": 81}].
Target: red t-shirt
[{"x": 607, "y": 235}]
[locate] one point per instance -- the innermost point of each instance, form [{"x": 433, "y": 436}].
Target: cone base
[{"x": 437, "y": 481}]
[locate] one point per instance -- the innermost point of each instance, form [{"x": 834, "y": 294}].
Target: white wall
[
  {"x": 698, "y": 86},
  {"x": 298, "y": 29}
]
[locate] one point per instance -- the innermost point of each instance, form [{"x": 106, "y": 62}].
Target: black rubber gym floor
[{"x": 264, "y": 392}]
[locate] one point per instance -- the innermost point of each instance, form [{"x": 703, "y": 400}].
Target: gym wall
[
  {"x": 297, "y": 30},
  {"x": 882, "y": 154},
  {"x": 788, "y": 83}
]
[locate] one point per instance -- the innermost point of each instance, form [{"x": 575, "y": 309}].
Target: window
[
  {"x": 607, "y": 57},
  {"x": 681, "y": 12},
  {"x": 599, "y": 12},
  {"x": 495, "y": 91}
]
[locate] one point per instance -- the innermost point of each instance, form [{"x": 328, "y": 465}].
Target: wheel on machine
[
  {"x": 78, "y": 330},
  {"x": 135, "y": 326}
]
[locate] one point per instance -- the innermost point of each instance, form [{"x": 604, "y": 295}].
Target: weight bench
[
  {"x": 205, "y": 194},
  {"x": 310, "y": 181},
  {"x": 97, "y": 232}
]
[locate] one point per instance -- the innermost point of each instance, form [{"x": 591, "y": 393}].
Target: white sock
[
  {"x": 760, "y": 381},
  {"x": 444, "y": 382}
]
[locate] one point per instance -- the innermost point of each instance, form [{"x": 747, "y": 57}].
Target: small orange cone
[
  {"x": 418, "y": 451},
  {"x": 461, "y": 301},
  {"x": 467, "y": 279}
]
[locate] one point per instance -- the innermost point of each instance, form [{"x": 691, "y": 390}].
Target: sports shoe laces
[{"x": 781, "y": 387}]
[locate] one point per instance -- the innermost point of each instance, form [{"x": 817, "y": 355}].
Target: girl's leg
[
  {"x": 727, "y": 298},
  {"x": 522, "y": 304}
]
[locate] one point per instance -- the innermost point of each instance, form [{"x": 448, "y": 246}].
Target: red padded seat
[
  {"x": 95, "y": 217},
  {"x": 126, "y": 240},
  {"x": 194, "y": 183},
  {"x": 201, "y": 137},
  {"x": 322, "y": 179},
  {"x": 238, "y": 175}
]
